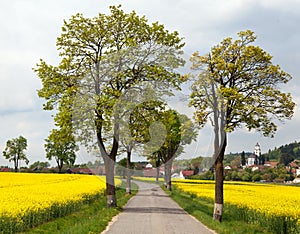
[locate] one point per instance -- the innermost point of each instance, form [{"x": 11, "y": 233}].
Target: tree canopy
[
  {"x": 101, "y": 59},
  {"x": 14, "y": 151},
  {"x": 177, "y": 130},
  {"x": 61, "y": 147},
  {"x": 246, "y": 84}
]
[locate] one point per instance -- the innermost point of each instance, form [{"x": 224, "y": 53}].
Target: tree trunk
[
  {"x": 128, "y": 172},
  {"x": 59, "y": 168},
  {"x": 157, "y": 164},
  {"x": 219, "y": 174},
  {"x": 111, "y": 199},
  {"x": 16, "y": 164},
  {"x": 157, "y": 175},
  {"x": 168, "y": 171},
  {"x": 219, "y": 181}
]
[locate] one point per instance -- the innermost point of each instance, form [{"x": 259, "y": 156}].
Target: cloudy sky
[{"x": 29, "y": 28}]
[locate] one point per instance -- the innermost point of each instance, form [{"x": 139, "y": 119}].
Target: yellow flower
[{"x": 22, "y": 193}]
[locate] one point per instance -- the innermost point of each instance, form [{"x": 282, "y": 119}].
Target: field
[
  {"x": 275, "y": 207},
  {"x": 31, "y": 199}
]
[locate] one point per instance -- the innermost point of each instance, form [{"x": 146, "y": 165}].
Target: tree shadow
[{"x": 159, "y": 210}]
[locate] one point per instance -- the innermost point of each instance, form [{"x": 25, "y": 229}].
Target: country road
[{"x": 152, "y": 211}]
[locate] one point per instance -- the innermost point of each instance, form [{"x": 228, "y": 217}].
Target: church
[{"x": 256, "y": 158}]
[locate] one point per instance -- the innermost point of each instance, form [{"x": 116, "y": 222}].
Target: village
[{"x": 244, "y": 167}]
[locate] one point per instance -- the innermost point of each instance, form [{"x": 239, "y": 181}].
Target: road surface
[{"x": 152, "y": 211}]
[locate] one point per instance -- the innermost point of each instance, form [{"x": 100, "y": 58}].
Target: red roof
[
  {"x": 271, "y": 163},
  {"x": 294, "y": 165},
  {"x": 95, "y": 171},
  {"x": 149, "y": 172},
  {"x": 187, "y": 172},
  {"x": 5, "y": 169}
]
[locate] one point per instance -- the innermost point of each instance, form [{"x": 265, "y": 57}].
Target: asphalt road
[{"x": 152, "y": 211}]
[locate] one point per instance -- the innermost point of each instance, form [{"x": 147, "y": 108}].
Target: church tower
[{"x": 257, "y": 150}]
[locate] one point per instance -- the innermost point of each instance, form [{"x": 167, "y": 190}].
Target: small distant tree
[
  {"x": 243, "y": 159},
  {"x": 196, "y": 164},
  {"x": 62, "y": 147},
  {"x": 180, "y": 131},
  {"x": 39, "y": 165},
  {"x": 285, "y": 158},
  {"x": 262, "y": 159},
  {"x": 14, "y": 151},
  {"x": 121, "y": 167}
]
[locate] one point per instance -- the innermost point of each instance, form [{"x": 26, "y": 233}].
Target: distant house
[
  {"x": 187, "y": 173},
  {"x": 294, "y": 167},
  {"x": 149, "y": 172},
  {"x": 271, "y": 164},
  {"x": 5, "y": 169},
  {"x": 88, "y": 171},
  {"x": 251, "y": 160},
  {"x": 178, "y": 176},
  {"x": 296, "y": 180}
]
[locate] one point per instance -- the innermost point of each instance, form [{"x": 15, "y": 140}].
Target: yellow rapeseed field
[
  {"x": 30, "y": 198},
  {"x": 265, "y": 200}
]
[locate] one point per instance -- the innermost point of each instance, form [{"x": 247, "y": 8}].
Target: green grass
[
  {"x": 202, "y": 209},
  {"x": 92, "y": 218}
]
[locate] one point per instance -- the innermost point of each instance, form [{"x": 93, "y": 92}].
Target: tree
[
  {"x": 14, "y": 151},
  {"x": 39, "y": 165},
  {"x": 102, "y": 58},
  {"x": 61, "y": 146},
  {"x": 262, "y": 159},
  {"x": 180, "y": 131},
  {"x": 237, "y": 86},
  {"x": 285, "y": 158},
  {"x": 196, "y": 163},
  {"x": 243, "y": 159},
  {"x": 121, "y": 168},
  {"x": 135, "y": 124}
]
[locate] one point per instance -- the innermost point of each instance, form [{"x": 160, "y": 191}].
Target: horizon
[{"x": 29, "y": 32}]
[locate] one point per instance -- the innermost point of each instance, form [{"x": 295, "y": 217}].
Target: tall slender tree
[
  {"x": 237, "y": 85},
  {"x": 243, "y": 159}
]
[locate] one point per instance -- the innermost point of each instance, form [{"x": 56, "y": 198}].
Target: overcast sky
[{"x": 29, "y": 28}]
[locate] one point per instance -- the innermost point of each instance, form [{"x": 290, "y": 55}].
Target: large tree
[
  {"x": 102, "y": 58},
  {"x": 238, "y": 86},
  {"x": 14, "y": 151}
]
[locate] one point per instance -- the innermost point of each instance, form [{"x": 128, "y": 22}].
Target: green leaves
[
  {"x": 14, "y": 151},
  {"x": 239, "y": 78},
  {"x": 61, "y": 146},
  {"x": 101, "y": 59}
]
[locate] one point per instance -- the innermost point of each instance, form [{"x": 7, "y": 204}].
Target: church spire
[{"x": 257, "y": 150}]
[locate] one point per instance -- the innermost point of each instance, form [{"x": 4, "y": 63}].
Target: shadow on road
[{"x": 159, "y": 210}]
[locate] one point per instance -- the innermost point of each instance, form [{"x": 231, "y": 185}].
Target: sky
[{"x": 28, "y": 32}]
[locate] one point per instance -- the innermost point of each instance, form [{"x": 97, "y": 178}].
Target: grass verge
[
  {"x": 92, "y": 218},
  {"x": 202, "y": 209}
]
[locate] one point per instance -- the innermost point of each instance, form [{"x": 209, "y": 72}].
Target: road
[{"x": 152, "y": 211}]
